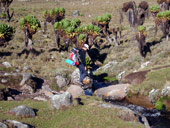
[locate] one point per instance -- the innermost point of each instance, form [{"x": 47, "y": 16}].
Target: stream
[{"x": 155, "y": 118}]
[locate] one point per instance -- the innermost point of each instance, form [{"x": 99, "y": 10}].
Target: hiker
[{"x": 82, "y": 64}]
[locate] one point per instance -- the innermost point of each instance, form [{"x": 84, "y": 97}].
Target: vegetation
[
  {"x": 31, "y": 23},
  {"x": 154, "y": 8},
  {"x": 160, "y": 105},
  {"x": 141, "y": 28},
  {"x": 154, "y": 80},
  {"x": 164, "y": 15},
  {"x": 5, "y": 4},
  {"x": 103, "y": 19},
  {"x": 86, "y": 116},
  {"x": 6, "y": 33}
]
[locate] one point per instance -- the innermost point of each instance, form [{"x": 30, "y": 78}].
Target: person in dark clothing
[{"x": 82, "y": 65}]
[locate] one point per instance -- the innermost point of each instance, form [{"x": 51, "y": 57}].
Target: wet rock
[
  {"x": 113, "y": 92},
  {"x": 76, "y": 91},
  {"x": 7, "y": 64},
  {"x": 23, "y": 111},
  {"x": 17, "y": 124},
  {"x": 76, "y": 13},
  {"x": 61, "y": 81},
  {"x": 62, "y": 100},
  {"x": 2, "y": 125}
]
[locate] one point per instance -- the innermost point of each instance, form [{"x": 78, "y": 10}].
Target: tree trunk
[
  {"x": 90, "y": 40},
  {"x": 45, "y": 26},
  {"x": 28, "y": 40},
  {"x": 10, "y": 16}
]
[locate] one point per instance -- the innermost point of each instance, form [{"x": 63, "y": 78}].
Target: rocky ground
[{"x": 41, "y": 90}]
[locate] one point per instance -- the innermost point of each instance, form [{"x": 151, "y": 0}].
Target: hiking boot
[
  {"x": 87, "y": 81},
  {"x": 85, "y": 87},
  {"x": 80, "y": 83}
]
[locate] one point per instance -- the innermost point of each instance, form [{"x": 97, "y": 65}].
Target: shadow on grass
[
  {"x": 27, "y": 52},
  {"x": 2, "y": 54},
  {"x": 94, "y": 54},
  {"x": 147, "y": 47}
]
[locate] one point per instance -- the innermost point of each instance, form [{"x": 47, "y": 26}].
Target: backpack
[{"x": 74, "y": 56}]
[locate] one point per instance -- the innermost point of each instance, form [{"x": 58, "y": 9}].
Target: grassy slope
[
  {"x": 154, "y": 80},
  {"x": 87, "y": 116}
]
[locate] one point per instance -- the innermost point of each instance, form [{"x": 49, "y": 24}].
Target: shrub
[
  {"x": 30, "y": 22},
  {"x": 6, "y": 32}
]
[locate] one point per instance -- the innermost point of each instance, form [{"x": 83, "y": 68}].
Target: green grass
[
  {"x": 87, "y": 116},
  {"x": 154, "y": 80}
]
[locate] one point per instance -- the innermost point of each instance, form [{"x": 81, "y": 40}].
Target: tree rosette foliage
[
  {"x": 164, "y": 16},
  {"x": 67, "y": 27},
  {"x": 89, "y": 30},
  {"x": 82, "y": 38},
  {"x": 154, "y": 8},
  {"x": 54, "y": 14},
  {"x": 31, "y": 23},
  {"x": 142, "y": 30},
  {"x": 6, "y": 32},
  {"x": 103, "y": 19}
]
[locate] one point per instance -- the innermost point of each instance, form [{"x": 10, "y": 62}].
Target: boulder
[
  {"x": 23, "y": 111},
  {"x": 27, "y": 88},
  {"x": 113, "y": 92},
  {"x": 61, "y": 81},
  {"x": 2, "y": 125},
  {"x": 17, "y": 124},
  {"x": 7, "y": 64},
  {"x": 61, "y": 100},
  {"x": 123, "y": 113},
  {"x": 76, "y": 13},
  {"x": 76, "y": 91},
  {"x": 75, "y": 76}
]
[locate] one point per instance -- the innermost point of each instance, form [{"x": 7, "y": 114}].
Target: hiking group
[{"x": 78, "y": 59}]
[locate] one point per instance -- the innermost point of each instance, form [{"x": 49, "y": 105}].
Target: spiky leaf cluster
[
  {"x": 154, "y": 8},
  {"x": 6, "y": 32},
  {"x": 54, "y": 12},
  {"x": 82, "y": 38},
  {"x": 164, "y": 14},
  {"x": 68, "y": 26},
  {"x": 89, "y": 29},
  {"x": 31, "y": 22},
  {"x": 103, "y": 19},
  {"x": 141, "y": 28}
]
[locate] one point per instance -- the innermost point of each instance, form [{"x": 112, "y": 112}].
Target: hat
[{"x": 86, "y": 46}]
